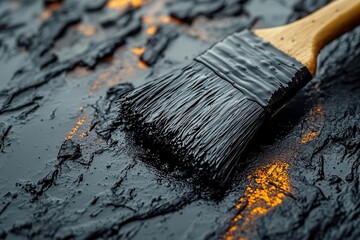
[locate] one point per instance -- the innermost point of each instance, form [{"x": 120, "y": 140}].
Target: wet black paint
[
  {"x": 113, "y": 191},
  {"x": 158, "y": 43},
  {"x": 188, "y": 10}
]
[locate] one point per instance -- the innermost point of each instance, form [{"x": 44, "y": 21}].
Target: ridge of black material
[
  {"x": 206, "y": 114},
  {"x": 158, "y": 43},
  {"x": 110, "y": 193}
]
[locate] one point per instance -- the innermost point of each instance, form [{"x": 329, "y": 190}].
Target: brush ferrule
[{"x": 263, "y": 73}]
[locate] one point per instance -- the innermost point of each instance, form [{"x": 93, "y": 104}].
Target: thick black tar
[{"x": 207, "y": 113}]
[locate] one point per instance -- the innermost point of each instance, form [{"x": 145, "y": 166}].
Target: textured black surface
[
  {"x": 158, "y": 43},
  {"x": 188, "y": 10},
  {"x": 307, "y": 162},
  {"x": 205, "y": 114}
]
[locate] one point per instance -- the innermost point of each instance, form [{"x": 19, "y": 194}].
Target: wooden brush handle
[{"x": 304, "y": 39}]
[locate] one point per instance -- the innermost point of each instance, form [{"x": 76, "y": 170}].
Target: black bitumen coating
[
  {"x": 57, "y": 83},
  {"x": 205, "y": 114}
]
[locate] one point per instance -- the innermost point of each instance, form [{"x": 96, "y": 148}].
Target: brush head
[
  {"x": 206, "y": 114},
  {"x": 205, "y": 122}
]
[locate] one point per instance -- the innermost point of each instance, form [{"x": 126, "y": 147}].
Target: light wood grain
[{"x": 304, "y": 39}]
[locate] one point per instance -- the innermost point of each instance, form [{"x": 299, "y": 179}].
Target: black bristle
[
  {"x": 206, "y": 117},
  {"x": 199, "y": 117}
]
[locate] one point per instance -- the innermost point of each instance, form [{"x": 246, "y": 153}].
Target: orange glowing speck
[
  {"x": 73, "y": 131},
  {"x": 138, "y": 51},
  {"x": 83, "y": 134},
  {"x": 151, "y": 30},
  {"x": 136, "y": 3},
  {"x": 123, "y": 4},
  {"x": 314, "y": 123},
  {"x": 168, "y": 19},
  {"x": 143, "y": 65},
  {"x": 318, "y": 110},
  {"x": 308, "y": 137}
]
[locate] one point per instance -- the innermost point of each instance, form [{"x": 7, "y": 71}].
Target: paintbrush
[{"x": 206, "y": 114}]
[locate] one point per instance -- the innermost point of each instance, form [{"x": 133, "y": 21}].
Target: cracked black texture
[{"x": 110, "y": 192}]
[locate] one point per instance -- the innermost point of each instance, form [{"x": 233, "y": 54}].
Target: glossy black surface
[{"x": 307, "y": 161}]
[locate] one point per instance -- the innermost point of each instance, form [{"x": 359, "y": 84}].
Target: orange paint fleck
[
  {"x": 138, "y": 51},
  {"x": 87, "y": 31},
  {"x": 151, "y": 30},
  {"x": 308, "y": 137},
  {"x": 266, "y": 190},
  {"x": 83, "y": 134},
  {"x": 154, "y": 18},
  {"x": 314, "y": 123},
  {"x": 142, "y": 64},
  {"x": 49, "y": 10},
  {"x": 168, "y": 19},
  {"x": 123, "y": 4},
  {"x": 78, "y": 124},
  {"x": 164, "y": 19},
  {"x": 137, "y": 3}
]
